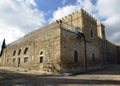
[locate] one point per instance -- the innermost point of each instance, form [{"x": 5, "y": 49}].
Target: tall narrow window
[
  {"x": 91, "y": 33},
  {"x": 41, "y": 57},
  {"x": 75, "y": 56},
  {"x": 93, "y": 57}
]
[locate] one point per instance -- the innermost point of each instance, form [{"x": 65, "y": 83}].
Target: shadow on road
[
  {"x": 14, "y": 79},
  {"x": 56, "y": 81},
  {"x": 108, "y": 70}
]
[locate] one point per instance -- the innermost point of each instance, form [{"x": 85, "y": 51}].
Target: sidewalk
[
  {"x": 111, "y": 72},
  {"x": 23, "y": 71}
]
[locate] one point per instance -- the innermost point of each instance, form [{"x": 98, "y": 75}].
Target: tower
[{"x": 101, "y": 31}]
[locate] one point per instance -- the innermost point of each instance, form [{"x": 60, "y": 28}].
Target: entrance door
[{"x": 18, "y": 62}]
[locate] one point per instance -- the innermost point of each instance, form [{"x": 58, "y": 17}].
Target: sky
[{"x": 19, "y": 17}]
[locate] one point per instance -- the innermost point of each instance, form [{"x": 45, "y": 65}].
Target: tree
[{"x": 3, "y": 46}]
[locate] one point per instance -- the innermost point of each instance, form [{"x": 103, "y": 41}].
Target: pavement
[
  {"x": 109, "y": 76},
  {"x": 24, "y": 71}
]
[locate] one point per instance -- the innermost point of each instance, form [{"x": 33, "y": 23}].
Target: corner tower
[{"x": 101, "y": 31}]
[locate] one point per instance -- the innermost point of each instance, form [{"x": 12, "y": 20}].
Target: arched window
[
  {"x": 26, "y": 50},
  {"x": 41, "y": 53},
  {"x": 75, "y": 56},
  {"x": 14, "y": 52},
  {"x": 19, "y": 52},
  {"x": 41, "y": 57},
  {"x": 91, "y": 33}
]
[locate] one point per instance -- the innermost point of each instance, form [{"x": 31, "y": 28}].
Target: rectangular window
[
  {"x": 14, "y": 60},
  {"x": 75, "y": 56},
  {"x": 25, "y": 59},
  {"x": 91, "y": 34},
  {"x": 7, "y": 60},
  {"x": 41, "y": 59}
]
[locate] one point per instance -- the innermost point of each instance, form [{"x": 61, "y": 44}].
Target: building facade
[{"x": 76, "y": 42}]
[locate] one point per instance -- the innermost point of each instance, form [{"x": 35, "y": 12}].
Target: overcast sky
[{"x": 19, "y": 17}]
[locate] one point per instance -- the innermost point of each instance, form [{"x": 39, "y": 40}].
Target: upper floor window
[
  {"x": 91, "y": 33},
  {"x": 19, "y": 52},
  {"x": 14, "y": 52},
  {"x": 41, "y": 53},
  {"x": 26, "y": 50}
]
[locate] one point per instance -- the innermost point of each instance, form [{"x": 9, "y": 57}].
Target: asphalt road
[{"x": 108, "y": 76}]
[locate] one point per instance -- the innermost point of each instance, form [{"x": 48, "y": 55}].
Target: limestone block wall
[
  {"x": 49, "y": 42},
  {"x": 44, "y": 43},
  {"x": 93, "y": 55},
  {"x": 111, "y": 53},
  {"x": 72, "y": 21},
  {"x": 89, "y": 24},
  {"x": 70, "y": 44}
]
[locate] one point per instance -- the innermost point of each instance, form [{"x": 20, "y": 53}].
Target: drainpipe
[{"x": 85, "y": 52}]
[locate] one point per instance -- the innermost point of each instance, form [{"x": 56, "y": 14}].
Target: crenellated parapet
[
  {"x": 87, "y": 15},
  {"x": 71, "y": 16}
]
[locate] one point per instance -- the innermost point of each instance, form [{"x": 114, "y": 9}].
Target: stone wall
[
  {"x": 69, "y": 44},
  {"x": 45, "y": 40},
  {"x": 111, "y": 53},
  {"x": 102, "y": 41}
]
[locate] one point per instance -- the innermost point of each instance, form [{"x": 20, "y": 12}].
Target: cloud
[
  {"x": 61, "y": 12},
  {"x": 105, "y": 11},
  {"x": 68, "y": 9},
  {"x": 10, "y": 34},
  {"x": 110, "y": 10},
  {"x": 31, "y": 2},
  {"x": 18, "y": 17},
  {"x": 87, "y": 5}
]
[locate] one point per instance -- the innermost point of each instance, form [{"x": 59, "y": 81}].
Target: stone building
[{"x": 76, "y": 42}]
